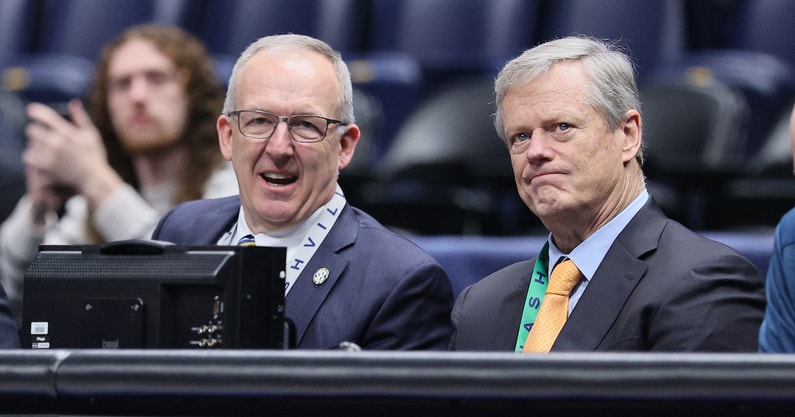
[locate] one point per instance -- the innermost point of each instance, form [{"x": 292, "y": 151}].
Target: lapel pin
[{"x": 321, "y": 275}]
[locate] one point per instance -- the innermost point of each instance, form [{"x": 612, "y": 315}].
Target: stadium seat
[
  {"x": 68, "y": 40},
  {"x": 693, "y": 136},
  {"x": 767, "y": 190},
  {"x": 756, "y": 57},
  {"x": 367, "y": 111},
  {"x": 16, "y": 28},
  {"x": 340, "y": 23},
  {"x": 12, "y": 142},
  {"x": 765, "y": 26},
  {"x": 653, "y": 31},
  {"x": 52, "y": 79},
  {"x": 766, "y": 82},
  {"x": 450, "y": 36},
  {"x": 81, "y": 27},
  {"x": 447, "y": 171},
  {"x": 434, "y": 42}
]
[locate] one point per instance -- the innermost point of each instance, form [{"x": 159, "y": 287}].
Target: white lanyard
[
  {"x": 317, "y": 232},
  {"x": 313, "y": 238}
]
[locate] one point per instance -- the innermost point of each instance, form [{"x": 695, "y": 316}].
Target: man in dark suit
[
  {"x": 568, "y": 111},
  {"x": 288, "y": 128},
  {"x": 9, "y": 332}
]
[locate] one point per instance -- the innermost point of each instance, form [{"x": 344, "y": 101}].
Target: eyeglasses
[{"x": 260, "y": 124}]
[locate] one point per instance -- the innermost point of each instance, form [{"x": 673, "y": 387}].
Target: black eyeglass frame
[{"x": 285, "y": 119}]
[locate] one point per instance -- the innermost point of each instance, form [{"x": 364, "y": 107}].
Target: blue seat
[
  {"x": 12, "y": 143},
  {"x": 709, "y": 23},
  {"x": 69, "y": 38},
  {"x": 757, "y": 57},
  {"x": 395, "y": 80},
  {"x": 52, "y": 79},
  {"x": 766, "y": 82},
  {"x": 434, "y": 42},
  {"x": 16, "y": 28},
  {"x": 340, "y": 23},
  {"x": 765, "y": 26},
  {"x": 455, "y": 35},
  {"x": 81, "y": 27},
  {"x": 653, "y": 31}
]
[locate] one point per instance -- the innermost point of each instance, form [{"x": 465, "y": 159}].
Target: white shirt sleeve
[
  {"x": 126, "y": 215},
  {"x": 222, "y": 183}
]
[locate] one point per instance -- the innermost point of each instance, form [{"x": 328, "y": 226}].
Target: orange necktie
[{"x": 554, "y": 308}]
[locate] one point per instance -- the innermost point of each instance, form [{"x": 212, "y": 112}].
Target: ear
[
  {"x": 632, "y": 135},
  {"x": 348, "y": 142},
  {"x": 224, "y": 127}
]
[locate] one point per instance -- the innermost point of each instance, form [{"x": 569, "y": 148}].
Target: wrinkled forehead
[{"x": 301, "y": 79}]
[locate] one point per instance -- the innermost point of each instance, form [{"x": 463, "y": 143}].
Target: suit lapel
[
  {"x": 209, "y": 225},
  {"x": 601, "y": 302},
  {"x": 613, "y": 283},
  {"x": 308, "y": 296}
]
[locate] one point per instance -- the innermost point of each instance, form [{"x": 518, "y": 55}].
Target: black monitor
[{"x": 148, "y": 294}]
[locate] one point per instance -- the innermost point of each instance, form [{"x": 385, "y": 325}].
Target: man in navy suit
[
  {"x": 288, "y": 128},
  {"x": 9, "y": 333},
  {"x": 568, "y": 111},
  {"x": 777, "y": 333}
]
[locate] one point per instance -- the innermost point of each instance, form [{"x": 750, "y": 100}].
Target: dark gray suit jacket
[
  {"x": 384, "y": 292},
  {"x": 660, "y": 287}
]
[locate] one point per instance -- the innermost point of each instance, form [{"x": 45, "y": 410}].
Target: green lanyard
[{"x": 535, "y": 293}]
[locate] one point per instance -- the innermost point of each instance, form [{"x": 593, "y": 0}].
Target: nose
[
  {"x": 280, "y": 143},
  {"x": 139, "y": 88},
  {"x": 538, "y": 148}
]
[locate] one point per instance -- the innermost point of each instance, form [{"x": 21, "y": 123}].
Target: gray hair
[
  {"x": 294, "y": 42},
  {"x": 613, "y": 90}
]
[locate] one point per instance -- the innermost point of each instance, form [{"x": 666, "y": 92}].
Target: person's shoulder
[
  {"x": 681, "y": 248},
  {"x": 369, "y": 225},
  {"x": 510, "y": 272},
  {"x": 376, "y": 236},
  {"x": 685, "y": 240},
  {"x": 788, "y": 221},
  {"x": 207, "y": 204},
  {"x": 785, "y": 230},
  {"x": 193, "y": 208},
  {"x": 197, "y": 219},
  {"x": 503, "y": 281}
]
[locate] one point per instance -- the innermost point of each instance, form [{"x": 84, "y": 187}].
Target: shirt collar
[{"x": 589, "y": 254}]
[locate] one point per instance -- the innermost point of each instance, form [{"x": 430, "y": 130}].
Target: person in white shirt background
[{"x": 146, "y": 142}]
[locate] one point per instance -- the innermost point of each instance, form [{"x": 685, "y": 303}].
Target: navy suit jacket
[
  {"x": 9, "y": 332},
  {"x": 384, "y": 292},
  {"x": 660, "y": 287},
  {"x": 777, "y": 334}
]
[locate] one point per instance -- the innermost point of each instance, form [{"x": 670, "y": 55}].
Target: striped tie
[{"x": 247, "y": 240}]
